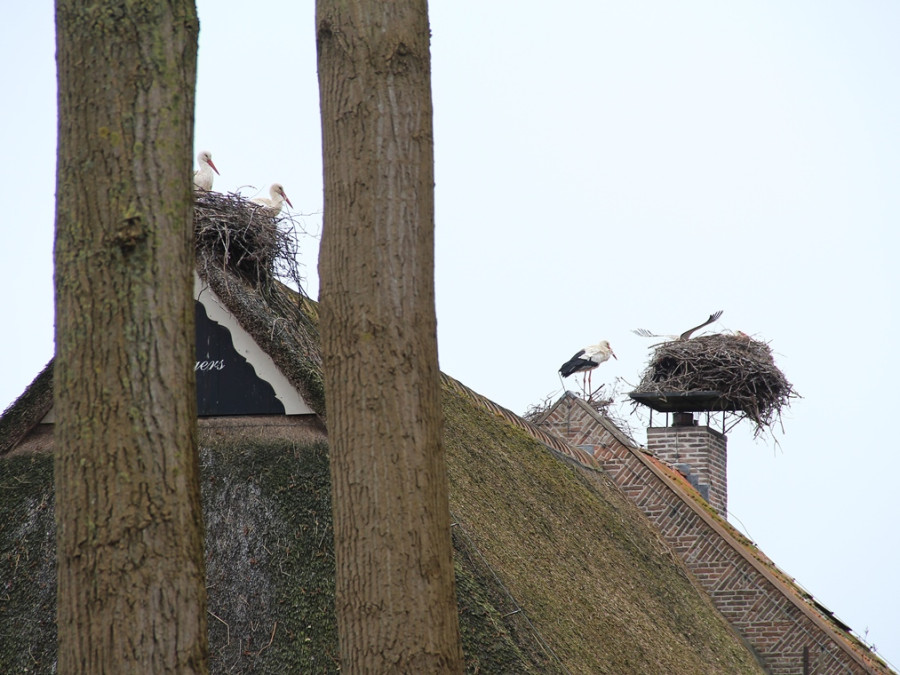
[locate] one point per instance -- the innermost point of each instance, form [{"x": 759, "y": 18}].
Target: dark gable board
[{"x": 226, "y": 383}]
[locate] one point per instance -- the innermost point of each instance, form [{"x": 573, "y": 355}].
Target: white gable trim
[{"x": 246, "y": 346}]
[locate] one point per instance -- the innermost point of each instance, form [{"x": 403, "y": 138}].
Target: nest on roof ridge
[
  {"x": 740, "y": 368},
  {"x": 245, "y": 237}
]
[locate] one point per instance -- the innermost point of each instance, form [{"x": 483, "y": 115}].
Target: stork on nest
[
  {"x": 740, "y": 368},
  {"x": 245, "y": 237}
]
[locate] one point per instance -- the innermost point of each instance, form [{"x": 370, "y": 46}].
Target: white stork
[
  {"x": 686, "y": 335},
  {"x": 585, "y": 360},
  {"x": 203, "y": 177},
  {"x": 277, "y": 198}
]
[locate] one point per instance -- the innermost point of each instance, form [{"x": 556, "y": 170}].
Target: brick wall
[
  {"x": 700, "y": 453},
  {"x": 763, "y": 606}
]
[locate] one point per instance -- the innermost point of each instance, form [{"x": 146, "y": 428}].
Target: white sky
[{"x": 600, "y": 166}]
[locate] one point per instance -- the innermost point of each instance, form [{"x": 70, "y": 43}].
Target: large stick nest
[
  {"x": 245, "y": 238},
  {"x": 740, "y": 368}
]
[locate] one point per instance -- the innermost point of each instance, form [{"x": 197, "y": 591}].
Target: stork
[
  {"x": 585, "y": 360},
  {"x": 277, "y": 197},
  {"x": 203, "y": 177},
  {"x": 686, "y": 335}
]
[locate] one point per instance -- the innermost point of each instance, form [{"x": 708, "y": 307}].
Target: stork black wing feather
[
  {"x": 686, "y": 335},
  {"x": 576, "y": 364}
]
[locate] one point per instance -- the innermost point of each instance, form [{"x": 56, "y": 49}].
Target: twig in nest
[{"x": 243, "y": 237}]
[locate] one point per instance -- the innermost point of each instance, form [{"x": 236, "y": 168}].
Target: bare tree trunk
[
  {"x": 131, "y": 596},
  {"x": 396, "y": 602}
]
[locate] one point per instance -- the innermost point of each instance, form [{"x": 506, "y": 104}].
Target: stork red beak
[
  {"x": 210, "y": 162},
  {"x": 286, "y": 199},
  {"x": 613, "y": 354}
]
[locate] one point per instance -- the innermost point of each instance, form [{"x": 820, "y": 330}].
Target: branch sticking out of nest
[
  {"x": 740, "y": 368},
  {"x": 242, "y": 236}
]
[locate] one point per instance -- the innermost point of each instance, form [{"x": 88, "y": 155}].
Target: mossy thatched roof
[
  {"x": 556, "y": 570},
  {"x": 25, "y": 412},
  {"x": 584, "y": 565},
  {"x": 555, "y": 573}
]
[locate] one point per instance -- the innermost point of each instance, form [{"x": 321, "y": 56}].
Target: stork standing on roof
[
  {"x": 686, "y": 335},
  {"x": 203, "y": 177},
  {"x": 277, "y": 198},
  {"x": 585, "y": 360}
]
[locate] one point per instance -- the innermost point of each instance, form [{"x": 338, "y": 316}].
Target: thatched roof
[
  {"x": 576, "y": 556},
  {"x": 23, "y": 414},
  {"x": 725, "y": 372},
  {"x": 556, "y": 571}
]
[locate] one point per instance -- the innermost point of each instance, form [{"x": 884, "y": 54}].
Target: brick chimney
[{"x": 699, "y": 453}]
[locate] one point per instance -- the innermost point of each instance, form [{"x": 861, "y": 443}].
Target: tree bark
[
  {"x": 131, "y": 594},
  {"x": 395, "y": 595}
]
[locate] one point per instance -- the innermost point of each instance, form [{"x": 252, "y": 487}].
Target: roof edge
[{"x": 27, "y": 411}]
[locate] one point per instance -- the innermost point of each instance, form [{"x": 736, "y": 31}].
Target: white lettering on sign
[{"x": 210, "y": 365}]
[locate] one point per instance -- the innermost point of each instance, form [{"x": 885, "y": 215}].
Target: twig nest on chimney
[
  {"x": 241, "y": 236},
  {"x": 740, "y": 368}
]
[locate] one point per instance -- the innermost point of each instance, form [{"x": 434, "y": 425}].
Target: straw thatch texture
[
  {"x": 26, "y": 412},
  {"x": 740, "y": 368}
]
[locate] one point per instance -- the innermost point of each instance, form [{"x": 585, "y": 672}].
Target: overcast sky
[{"x": 600, "y": 166}]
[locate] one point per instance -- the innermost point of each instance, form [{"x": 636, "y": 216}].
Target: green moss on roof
[
  {"x": 270, "y": 560},
  {"x": 592, "y": 575},
  {"x": 270, "y": 569},
  {"x": 496, "y": 637},
  {"x": 556, "y": 571}
]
